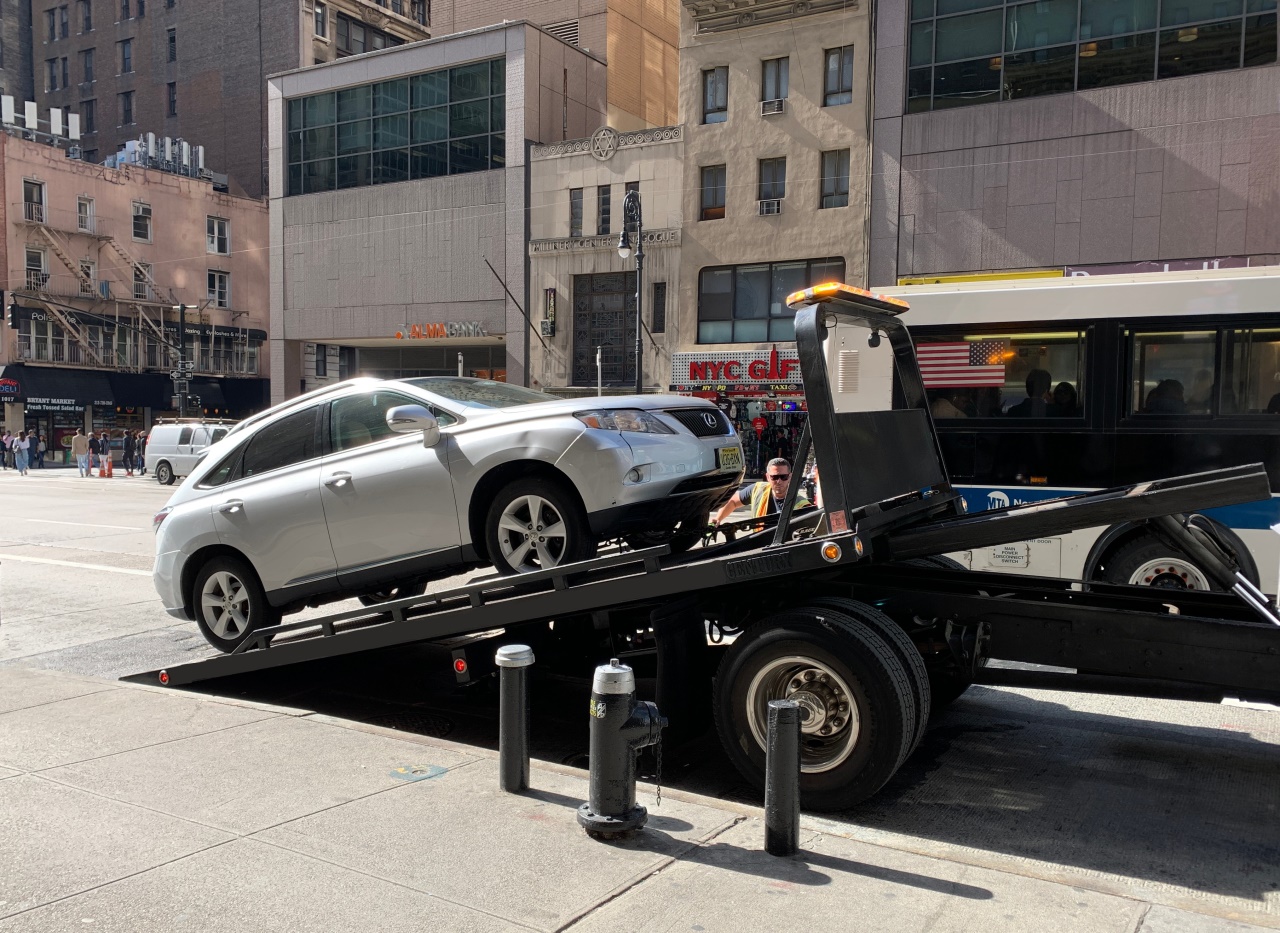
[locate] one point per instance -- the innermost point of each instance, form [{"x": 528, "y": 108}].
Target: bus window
[
  {"x": 1033, "y": 375},
  {"x": 1254, "y": 385},
  {"x": 1173, "y": 372}
]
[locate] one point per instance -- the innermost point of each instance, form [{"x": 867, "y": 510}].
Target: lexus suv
[{"x": 375, "y": 487}]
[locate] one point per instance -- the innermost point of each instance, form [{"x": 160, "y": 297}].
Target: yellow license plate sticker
[{"x": 729, "y": 458}]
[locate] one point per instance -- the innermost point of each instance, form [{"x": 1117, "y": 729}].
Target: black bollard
[
  {"x": 513, "y": 717},
  {"x": 782, "y": 779},
  {"x": 621, "y": 725}
]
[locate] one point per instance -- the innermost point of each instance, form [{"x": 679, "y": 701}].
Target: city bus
[{"x": 1042, "y": 388}]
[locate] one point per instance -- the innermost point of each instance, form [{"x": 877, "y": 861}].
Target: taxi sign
[{"x": 838, "y": 291}]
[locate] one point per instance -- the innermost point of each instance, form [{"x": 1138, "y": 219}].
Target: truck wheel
[
  {"x": 229, "y": 603},
  {"x": 903, "y": 648},
  {"x": 861, "y": 709},
  {"x": 164, "y": 473},
  {"x": 1148, "y": 562},
  {"x": 533, "y": 525}
]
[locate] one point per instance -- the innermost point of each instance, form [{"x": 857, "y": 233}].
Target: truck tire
[
  {"x": 1146, "y": 561},
  {"x": 164, "y": 473},
  {"x": 556, "y": 530},
  {"x": 229, "y": 603},
  {"x": 901, "y": 645},
  {"x": 826, "y": 662}
]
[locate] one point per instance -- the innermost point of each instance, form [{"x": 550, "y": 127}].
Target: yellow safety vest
[{"x": 760, "y": 495}]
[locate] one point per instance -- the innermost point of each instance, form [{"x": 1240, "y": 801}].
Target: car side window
[
  {"x": 201, "y": 437},
  {"x": 362, "y": 419},
  {"x": 184, "y": 436},
  {"x": 282, "y": 443},
  {"x": 218, "y": 434}
]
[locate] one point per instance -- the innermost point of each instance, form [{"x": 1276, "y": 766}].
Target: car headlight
[{"x": 623, "y": 419}]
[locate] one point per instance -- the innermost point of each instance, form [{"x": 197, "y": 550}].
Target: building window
[
  {"x": 126, "y": 56},
  {"x": 86, "y": 16},
  {"x": 66, "y": 73},
  {"x": 169, "y": 4},
  {"x": 658, "y": 314},
  {"x": 444, "y": 122},
  {"x": 837, "y": 85},
  {"x": 37, "y": 277},
  {"x": 604, "y": 194},
  {"x": 631, "y": 186},
  {"x": 1031, "y": 49},
  {"x": 33, "y": 200},
  {"x": 835, "y": 178},
  {"x": 712, "y": 188},
  {"x": 748, "y": 304},
  {"x": 173, "y": 45},
  {"x": 322, "y": 20},
  {"x": 51, "y": 75},
  {"x": 126, "y": 108},
  {"x": 355, "y": 37},
  {"x": 774, "y": 79},
  {"x": 173, "y": 99},
  {"x": 64, "y": 21},
  {"x": 773, "y": 179},
  {"x": 322, "y": 360},
  {"x": 124, "y": 9},
  {"x": 88, "y": 109},
  {"x": 218, "y": 235},
  {"x": 142, "y": 281},
  {"x": 51, "y": 25},
  {"x": 90, "y": 156},
  {"x": 418, "y": 11},
  {"x": 715, "y": 95},
  {"x": 88, "y": 277},
  {"x": 219, "y": 290},
  {"x": 575, "y": 212},
  {"x": 142, "y": 221},
  {"x": 86, "y": 64},
  {"x": 85, "y": 215}
]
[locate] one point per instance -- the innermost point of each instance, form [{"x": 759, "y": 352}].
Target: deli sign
[
  {"x": 10, "y": 388},
  {"x": 777, "y": 368}
]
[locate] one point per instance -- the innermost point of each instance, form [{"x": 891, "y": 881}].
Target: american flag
[{"x": 977, "y": 363}]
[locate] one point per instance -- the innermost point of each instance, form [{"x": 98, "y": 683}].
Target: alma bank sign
[{"x": 777, "y": 370}]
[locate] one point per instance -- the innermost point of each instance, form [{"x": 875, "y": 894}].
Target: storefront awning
[{"x": 55, "y": 389}]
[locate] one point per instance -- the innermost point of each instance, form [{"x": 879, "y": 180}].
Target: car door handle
[
  {"x": 231, "y": 505},
  {"x": 338, "y": 480}
]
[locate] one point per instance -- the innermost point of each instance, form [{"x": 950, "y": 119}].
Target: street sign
[
  {"x": 188, "y": 365},
  {"x": 175, "y": 375}
]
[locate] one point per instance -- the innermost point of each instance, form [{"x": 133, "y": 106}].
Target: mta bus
[{"x": 1043, "y": 388}]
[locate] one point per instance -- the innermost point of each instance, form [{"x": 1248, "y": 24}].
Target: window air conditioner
[
  {"x": 771, "y": 206},
  {"x": 772, "y": 106}
]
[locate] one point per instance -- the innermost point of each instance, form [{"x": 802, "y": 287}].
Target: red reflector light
[
  {"x": 460, "y": 665},
  {"x": 164, "y": 678}
]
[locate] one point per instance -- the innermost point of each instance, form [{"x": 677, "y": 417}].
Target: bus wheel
[
  {"x": 1148, "y": 562},
  {"x": 858, "y": 707}
]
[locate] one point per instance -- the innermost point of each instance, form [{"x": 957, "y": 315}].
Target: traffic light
[{"x": 11, "y": 312}]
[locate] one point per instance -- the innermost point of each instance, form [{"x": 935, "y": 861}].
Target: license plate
[{"x": 729, "y": 458}]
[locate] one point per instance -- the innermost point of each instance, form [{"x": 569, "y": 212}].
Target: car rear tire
[
  {"x": 229, "y": 603},
  {"x": 860, "y": 691},
  {"x": 164, "y": 474},
  {"x": 535, "y": 524}
]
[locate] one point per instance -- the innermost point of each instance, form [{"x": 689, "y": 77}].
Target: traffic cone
[{"x": 108, "y": 458}]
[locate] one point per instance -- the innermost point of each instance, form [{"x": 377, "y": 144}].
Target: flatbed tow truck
[{"x": 851, "y": 610}]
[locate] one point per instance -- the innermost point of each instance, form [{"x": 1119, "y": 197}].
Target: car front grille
[{"x": 703, "y": 422}]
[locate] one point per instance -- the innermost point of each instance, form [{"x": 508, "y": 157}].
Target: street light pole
[
  {"x": 631, "y": 216},
  {"x": 182, "y": 358}
]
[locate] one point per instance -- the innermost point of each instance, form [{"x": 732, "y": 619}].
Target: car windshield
[{"x": 480, "y": 393}]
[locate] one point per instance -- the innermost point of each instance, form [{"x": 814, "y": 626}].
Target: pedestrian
[
  {"x": 764, "y": 497},
  {"x": 95, "y": 453},
  {"x": 142, "y": 453},
  {"x": 21, "y": 448},
  {"x": 104, "y": 468},
  {"x": 41, "y": 449},
  {"x": 6, "y": 440},
  {"x": 130, "y": 450},
  {"x": 80, "y": 449}
]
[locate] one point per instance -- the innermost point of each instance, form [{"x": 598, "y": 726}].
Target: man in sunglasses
[{"x": 764, "y": 497}]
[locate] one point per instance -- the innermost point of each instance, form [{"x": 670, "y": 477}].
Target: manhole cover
[{"x": 414, "y": 721}]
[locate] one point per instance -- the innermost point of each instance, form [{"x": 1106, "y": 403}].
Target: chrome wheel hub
[
  {"x": 1172, "y": 573},
  {"x": 532, "y": 534},
  {"x": 829, "y": 721},
  {"x": 224, "y": 604}
]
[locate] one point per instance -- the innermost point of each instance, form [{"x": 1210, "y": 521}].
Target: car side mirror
[{"x": 405, "y": 419}]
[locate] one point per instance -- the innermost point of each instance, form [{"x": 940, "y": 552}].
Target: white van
[{"x": 174, "y": 447}]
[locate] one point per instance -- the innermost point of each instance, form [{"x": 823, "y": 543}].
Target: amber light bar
[{"x": 834, "y": 291}]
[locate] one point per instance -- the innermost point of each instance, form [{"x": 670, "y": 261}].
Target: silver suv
[{"x": 374, "y": 488}]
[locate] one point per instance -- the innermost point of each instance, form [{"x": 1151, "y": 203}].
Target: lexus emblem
[{"x": 710, "y": 419}]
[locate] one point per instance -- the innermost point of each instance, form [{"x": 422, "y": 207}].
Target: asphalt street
[{"x": 1175, "y": 802}]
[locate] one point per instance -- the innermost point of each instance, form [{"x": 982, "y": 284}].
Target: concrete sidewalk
[{"x": 129, "y": 808}]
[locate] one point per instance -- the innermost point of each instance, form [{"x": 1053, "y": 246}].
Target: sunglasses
[{"x": 779, "y": 476}]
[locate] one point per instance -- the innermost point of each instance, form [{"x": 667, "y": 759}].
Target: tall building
[
  {"x": 1057, "y": 135},
  {"x": 98, "y": 260},
  {"x": 15, "y": 49},
  {"x": 398, "y": 203},
  {"x": 196, "y": 69}
]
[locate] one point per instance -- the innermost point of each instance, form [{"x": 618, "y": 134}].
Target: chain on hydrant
[{"x": 621, "y": 725}]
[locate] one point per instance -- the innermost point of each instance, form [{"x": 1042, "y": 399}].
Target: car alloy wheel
[
  {"x": 536, "y": 525},
  {"x": 224, "y": 602},
  {"x": 229, "y": 603}
]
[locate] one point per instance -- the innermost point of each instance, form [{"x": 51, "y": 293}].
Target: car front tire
[
  {"x": 229, "y": 603},
  {"x": 535, "y": 524}
]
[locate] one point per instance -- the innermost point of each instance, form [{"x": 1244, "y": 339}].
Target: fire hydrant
[{"x": 621, "y": 725}]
